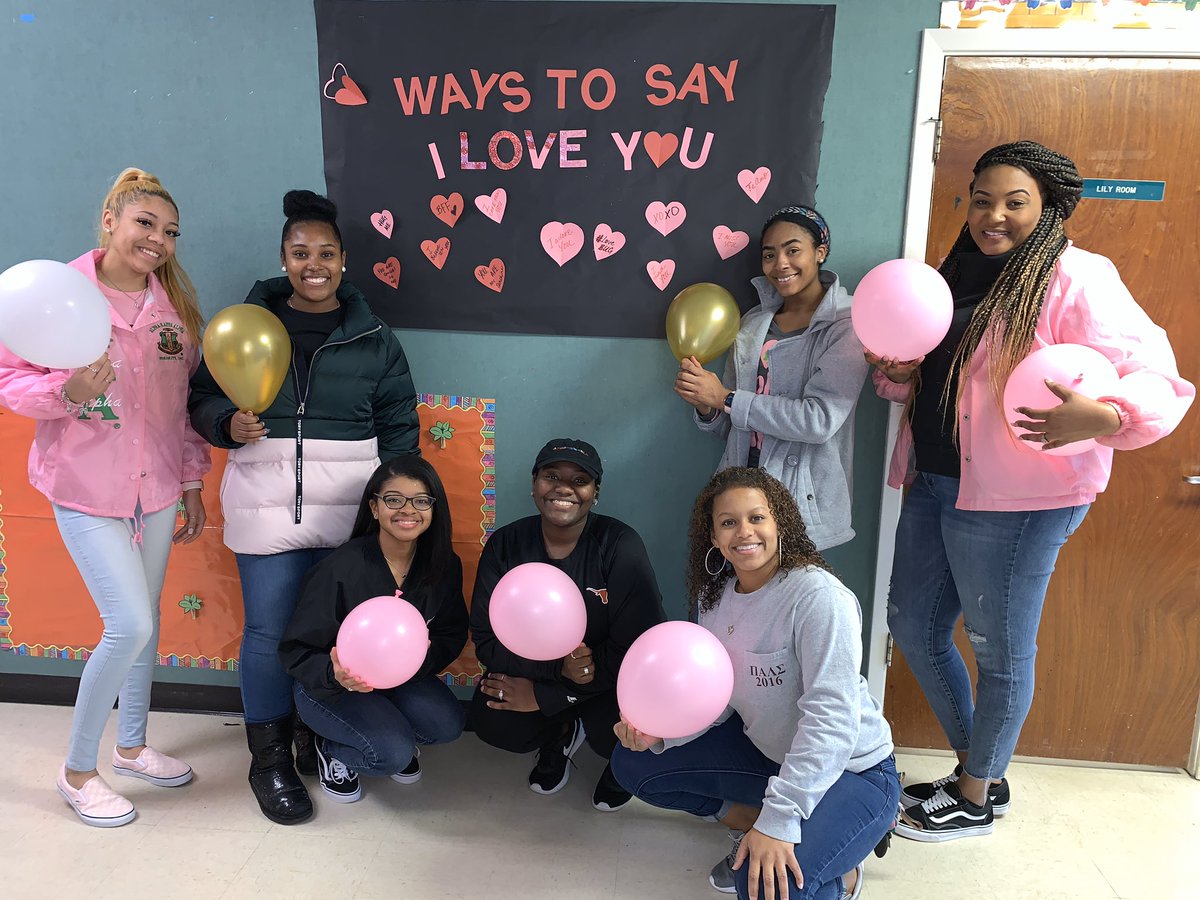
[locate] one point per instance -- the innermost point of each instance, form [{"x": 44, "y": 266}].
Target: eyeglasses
[{"x": 399, "y": 501}]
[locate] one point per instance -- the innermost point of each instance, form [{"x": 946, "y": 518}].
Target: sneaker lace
[
  {"x": 339, "y": 771},
  {"x": 939, "y": 800},
  {"x": 736, "y": 838}
]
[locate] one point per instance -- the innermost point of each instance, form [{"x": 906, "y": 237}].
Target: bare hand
[
  {"x": 699, "y": 387},
  {"x": 193, "y": 510},
  {"x": 352, "y": 683},
  {"x": 896, "y": 370},
  {"x": 632, "y": 739},
  {"x": 1077, "y": 418},
  {"x": 88, "y": 383},
  {"x": 509, "y": 692},
  {"x": 579, "y": 666},
  {"x": 245, "y": 427},
  {"x": 770, "y": 859}
]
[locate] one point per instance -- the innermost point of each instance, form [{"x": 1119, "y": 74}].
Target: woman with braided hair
[
  {"x": 792, "y": 379},
  {"x": 984, "y": 518}
]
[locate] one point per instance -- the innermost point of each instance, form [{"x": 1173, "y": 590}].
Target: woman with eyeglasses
[{"x": 400, "y": 542}]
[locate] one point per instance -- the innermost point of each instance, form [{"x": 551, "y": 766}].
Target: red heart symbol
[
  {"x": 448, "y": 209},
  {"x": 388, "y": 272},
  {"x": 436, "y": 253},
  {"x": 349, "y": 94},
  {"x": 660, "y": 147},
  {"x": 492, "y": 275}
]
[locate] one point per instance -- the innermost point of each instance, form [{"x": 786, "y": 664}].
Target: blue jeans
[
  {"x": 125, "y": 581},
  {"x": 270, "y": 591},
  {"x": 376, "y": 733},
  {"x": 999, "y": 563},
  {"x": 706, "y": 776}
]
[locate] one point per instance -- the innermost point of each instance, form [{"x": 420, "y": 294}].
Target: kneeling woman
[
  {"x": 401, "y": 540},
  {"x": 800, "y": 766}
]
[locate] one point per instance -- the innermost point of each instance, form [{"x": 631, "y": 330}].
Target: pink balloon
[
  {"x": 675, "y": 680},
  {"x": 537, "y": 612},
  {"x": 902, "y": 309},
  {"x": 383, "y": 641},
  {"x": 1074, "y": 366}
]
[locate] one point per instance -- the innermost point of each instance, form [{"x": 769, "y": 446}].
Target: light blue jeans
[
  {"x": 125, "y": 581},
  {"x": 992, "y": 569}
]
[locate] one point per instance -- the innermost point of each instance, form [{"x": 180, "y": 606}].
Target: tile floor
[{"x": 472, "y": 829}]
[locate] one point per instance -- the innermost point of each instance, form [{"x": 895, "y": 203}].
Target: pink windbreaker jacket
[
  {"x": 1086, "y": 303},
  {"x": 135, "y": 441}
]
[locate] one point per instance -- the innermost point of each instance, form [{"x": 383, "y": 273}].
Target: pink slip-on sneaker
[
  {"x": 96, "y": 803},
  {"x": 154, "y": 767}
]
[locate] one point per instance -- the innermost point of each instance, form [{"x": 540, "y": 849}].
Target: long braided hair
[{"x": 1005, "y": 319}]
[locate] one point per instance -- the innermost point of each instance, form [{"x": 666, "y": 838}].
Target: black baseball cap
[{"x": 570, "y": 450}]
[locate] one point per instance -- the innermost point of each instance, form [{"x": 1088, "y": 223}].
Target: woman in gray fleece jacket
[
  {"x": 799, "y": 767},
  {"x": 792, "y": 379}
]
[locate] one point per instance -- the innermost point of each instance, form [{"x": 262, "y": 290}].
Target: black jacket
[
  {"x": 355, "y": 572},
  {"x": 609, "y": 565}
]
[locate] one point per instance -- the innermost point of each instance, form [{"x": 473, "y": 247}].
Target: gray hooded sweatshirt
[{"x": 807, "y": 419}]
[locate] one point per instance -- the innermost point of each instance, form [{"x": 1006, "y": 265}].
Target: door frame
[{"x": 936, "y": 45}]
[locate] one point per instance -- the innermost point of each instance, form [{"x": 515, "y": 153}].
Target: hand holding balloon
[
  {"x": 510, "y": 693},
  {"x": 91, "y": 381},
  {"x": 702, "y": 322},
  {"x": 632, "y": 739},
  {"x": 699, "y": 387},
  {"x": 902, "y": 309},
  {"x": 248, "y": 352},
  {"x": 1074, "y": 374},
  {"x": 245, "y": 427},
  {"x": 579, "y": 666},
  {"x": 350, "y": 682},
  {"x": 1077, "y": 418},
  {"x": 896, "y": 370}
]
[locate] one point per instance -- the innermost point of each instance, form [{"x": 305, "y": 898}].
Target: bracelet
[{"x": 71, "y": 405}]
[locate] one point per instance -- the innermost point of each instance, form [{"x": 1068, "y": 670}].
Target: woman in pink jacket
[
  {"x": 985, "y": 517},
  {"x": 113, "y": 453}
]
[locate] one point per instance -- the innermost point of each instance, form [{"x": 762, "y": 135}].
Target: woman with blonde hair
[{"x": 113, "y": 453}]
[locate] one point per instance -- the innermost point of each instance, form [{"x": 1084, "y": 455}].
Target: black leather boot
[
  {"x": 306, "y": 750},
  {"x": 281, "y": 794}
]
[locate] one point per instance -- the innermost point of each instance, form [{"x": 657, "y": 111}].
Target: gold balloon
[
  {"x": 702, "y": 321},
  {"x": 248, "y": 351}
]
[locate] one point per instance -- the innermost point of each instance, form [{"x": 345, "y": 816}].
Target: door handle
[{"x": 1192, "y": 479}]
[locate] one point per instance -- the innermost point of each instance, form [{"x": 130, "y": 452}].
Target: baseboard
[{"x": 165, "y": 696}]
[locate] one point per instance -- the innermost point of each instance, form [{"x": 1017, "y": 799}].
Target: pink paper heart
[
  {"x": 493, "y": 205},
  {"x": 606, "y": 242},
  {"x": 661, "y": 272},
  {"x": 754, "y": 183},
  {"x": 665, "y": 217},
  {"x": 562, "y": 240},
  {"x": 729, "y": 243},
  {"x": 383, "y": 222}
]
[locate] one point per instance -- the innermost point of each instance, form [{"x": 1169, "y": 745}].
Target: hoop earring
[
  {"x": 724, "y": 563},
  {"x": 781, "y": 551}
]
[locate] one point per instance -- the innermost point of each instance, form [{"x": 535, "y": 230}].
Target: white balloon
[{"x": 53, "y": 315}]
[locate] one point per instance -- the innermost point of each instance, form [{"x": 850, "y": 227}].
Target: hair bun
[
  {"x": 307, "y": 205},
  {"x": 133, "y": 175}
]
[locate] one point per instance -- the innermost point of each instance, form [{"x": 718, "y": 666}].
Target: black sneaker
[
  {"x": 721, "y": 876},
  {"x": 609, "y": 796},
  {"x": 550, "y": 774},
  {"x": 411, "y": 773},
  {"x": 946, "y": 816},
  {"x": 999, "y": 794},
  {"x": 340, "y": 784}
]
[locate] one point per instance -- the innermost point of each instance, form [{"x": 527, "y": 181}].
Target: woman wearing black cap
[
  {"x": 523, "y": 705},
  {"x": 792, "y": 379}
]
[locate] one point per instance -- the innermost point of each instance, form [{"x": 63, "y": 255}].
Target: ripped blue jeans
[{"x": 991, "y": 568}]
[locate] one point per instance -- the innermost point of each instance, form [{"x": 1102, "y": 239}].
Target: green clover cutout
[
  {"x": 191, "y": 604},
  {"x": 441, "y": 432}
]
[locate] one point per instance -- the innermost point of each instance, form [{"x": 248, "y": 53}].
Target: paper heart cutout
[
  {"x": 665, "y": 217},
  {"x": 448, "y": 209},
  {"x": 388, "y": 271},
  {"x": 562, "y": 240},
  {"x": 493, "y": 205},
  {"x": 606, "y": 242},
  {"x": 660, "y": 147},
  {"x": 729, "y": 243},
  {"x": 383, "y": 222},
  {"x": 754, "y": 183},
  {"x": 661, "y": 272},
  {"x": 349, "y": 94},
  {"x": 492, "y": 275},
  {"x": 436, "y": 251}
]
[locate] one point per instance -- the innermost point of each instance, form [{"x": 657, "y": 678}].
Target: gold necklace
[{"x": 136, "y": 301}]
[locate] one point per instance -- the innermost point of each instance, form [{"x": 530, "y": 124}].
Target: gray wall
[{"x": 219, "y": 98}]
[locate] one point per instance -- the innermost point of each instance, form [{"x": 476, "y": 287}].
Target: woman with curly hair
[
  {"x": 799, "y": 767},
  {"x": 985, "y": 517}
]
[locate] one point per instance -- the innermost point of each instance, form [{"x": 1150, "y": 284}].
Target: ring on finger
[
  {"x": 501, "y": 693},
  {"x": 585, "y": 670}
]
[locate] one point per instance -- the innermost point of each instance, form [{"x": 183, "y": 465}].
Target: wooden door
[{"x": 1118, "y": 667}]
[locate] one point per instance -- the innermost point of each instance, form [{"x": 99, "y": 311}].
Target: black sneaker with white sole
[
  {"x": 609, "y": 796},
  {"x": 549, "y": 775},
  {"x": 999, "y": 794},
  {"x": 340, "y": 784},
  {"x": 411, "y": 773},
  {"x": 946, "y": 816}
]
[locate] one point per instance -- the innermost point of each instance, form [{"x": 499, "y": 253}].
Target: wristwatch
[{"x": 729, "y": 402}]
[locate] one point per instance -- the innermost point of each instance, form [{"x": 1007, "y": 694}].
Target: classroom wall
[{"x": 216, "y": 97}]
